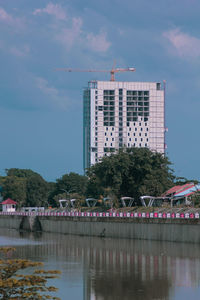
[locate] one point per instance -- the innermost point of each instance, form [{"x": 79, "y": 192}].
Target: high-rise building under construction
[{"x": 118, "y": 114}]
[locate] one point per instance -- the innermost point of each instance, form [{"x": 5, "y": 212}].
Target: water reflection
[{"x": 95, "y": 268}]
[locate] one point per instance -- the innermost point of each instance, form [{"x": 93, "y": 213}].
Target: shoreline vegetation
[{"x": 132, "y": 172}]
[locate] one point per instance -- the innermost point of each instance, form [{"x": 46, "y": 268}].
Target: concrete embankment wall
[{"x": 148, "y": 229}]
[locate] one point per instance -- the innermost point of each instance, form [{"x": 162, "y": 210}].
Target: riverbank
[{"x": 174, "y": 227}]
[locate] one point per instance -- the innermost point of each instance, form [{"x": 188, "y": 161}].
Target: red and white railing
[{"x": 147, "y": 215}]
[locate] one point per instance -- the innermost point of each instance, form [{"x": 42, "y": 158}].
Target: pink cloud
[
  {"x": 52, "y": 9},
  {"x": 69, "y": 36},
  {"x": 9, "y": 19},
  {"x": 20, "y": 52},
  {"x": 99, "y": 42},
  {"x": 5, "y": 17},
  {"x": 184, "y": 45}
]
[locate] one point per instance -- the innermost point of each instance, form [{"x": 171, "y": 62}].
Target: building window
[
  {"x": 113, "y": 139},
  {"x": 139, "y": 134},
  {"x": 134, "y": 134},
  {"x": 147, "y": 140},
  {"x": 135, "y": 129},
  {"x": 105, "y": 144},
  {"x": 128, "y": 134},
  {"x": 145, "y": 124},
  {"x": 145, "y": 134},
  {"x": 145, "y": 145},
  {"x": 111, "y": 144},
  {"x": 158, "y": 86},
  {"x": 147, "y": 129},
  {"x": 95, "y": 144},
  {"x": 141, "y": 139},
  {"x": 130, "y": 140},
  {"x": 128, "y": 144},
  {"x": 106, "y": 139},
  {"x": 112, "y": 128},
  {"x": 139, "y": 124},
  {"x": 141, "y": 129},
  {"x": 111, "y": 133},
  {"x": 130, "y": 129},
  {"x": 96, "y": 139},
  {"x": 105, "y": 133},
  {"x": 140, "y": 145},
  {"x": 135, "y": 139},
  {"x": 106, "y": 128}
]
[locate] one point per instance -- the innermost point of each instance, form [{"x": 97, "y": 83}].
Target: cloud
[
  {"x": 22, "y": 52},
  {"x": 9, "y": 19},
  {"x": 99, "y": 42},
  {"x": 184, "y": 45},
  {"x": 52, "y": 93},
  {"x": 69, "y": 36},
  {"x": 71, "y": 32},
  {"x": 5, "y": 17},
  {"x": 52, "y": 9}
]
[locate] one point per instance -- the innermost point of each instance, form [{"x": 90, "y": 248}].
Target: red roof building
[
  {"x": 9, "y": 205},
  {"x": 9, "y": 201}
]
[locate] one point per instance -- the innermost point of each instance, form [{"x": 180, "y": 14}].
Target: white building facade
[{"x": 118, "y": 114}]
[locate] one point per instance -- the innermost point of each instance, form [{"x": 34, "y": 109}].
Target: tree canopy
[
  {"x": 131, "y": 172},
  {"x": 26, "y": 187},
  {"x": 72, "y": 183}
]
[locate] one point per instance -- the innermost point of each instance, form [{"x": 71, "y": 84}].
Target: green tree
[
  {"x": 14, "y": 188},
  {"x": 24, "y": 173},
  {"x": 131, "y": 172},
  {"x": 72, "y": 183},
  {"x": 14, "y": 285},
  {"x": 26, "y": 187},
  {"x": 37, "y": 191}
]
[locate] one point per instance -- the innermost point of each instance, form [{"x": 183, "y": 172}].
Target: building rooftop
[{"x": 9, "y": 201}]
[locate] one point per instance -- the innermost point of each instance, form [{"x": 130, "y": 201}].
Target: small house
[{"x": 9, "y": 205}]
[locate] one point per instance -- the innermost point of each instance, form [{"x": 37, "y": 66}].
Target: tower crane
[{"x": 112, "y": 71}]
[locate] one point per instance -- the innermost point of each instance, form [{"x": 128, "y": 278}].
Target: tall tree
[
  {"x": 132, "y": 172},
  {"x": 37, "y": 191},
  {"x": 15, "y": 188},
  {"x": 72, "y": 183},
  {"x": 25, "y": 186}
]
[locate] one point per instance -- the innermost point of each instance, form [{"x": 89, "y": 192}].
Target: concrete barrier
[
  {"x": 148, "y": 229},
  {"x": 161, "y": 229}
]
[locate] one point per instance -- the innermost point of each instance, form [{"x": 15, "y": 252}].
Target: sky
[{"x": 41, "y": 109}]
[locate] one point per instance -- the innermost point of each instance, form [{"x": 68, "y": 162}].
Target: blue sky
[{"x": 41, "y": 110}]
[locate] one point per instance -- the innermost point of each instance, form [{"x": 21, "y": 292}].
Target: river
[{"x": 112, "y": 269}]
